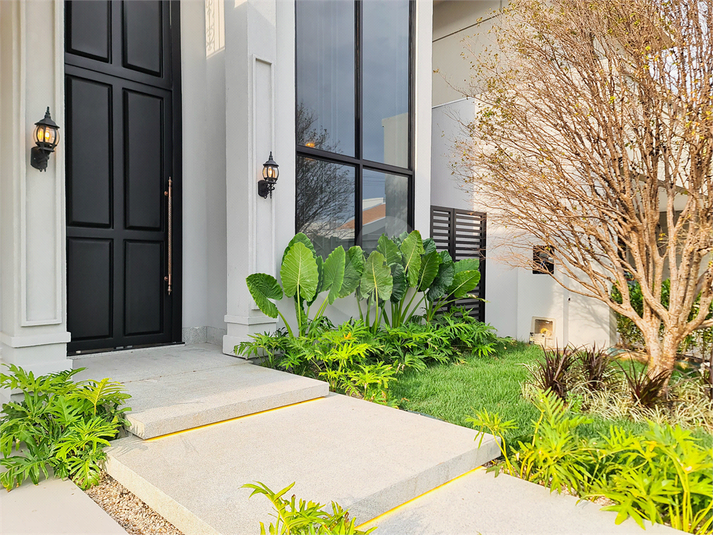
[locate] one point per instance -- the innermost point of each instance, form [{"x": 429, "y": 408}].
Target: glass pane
[
  {"x": 325, "y": 75},
  {"x": 325, "y": 203},
  {"x": 386, "y": 81},
  {"x": 384, "y": 207}
]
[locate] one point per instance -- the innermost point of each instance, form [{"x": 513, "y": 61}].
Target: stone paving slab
[
  {"x": 481, "y": 504},
  {"x": 174, "y": 388},
  {"x": 53, "y": 507},
  {"x": 367, "y": 457}
]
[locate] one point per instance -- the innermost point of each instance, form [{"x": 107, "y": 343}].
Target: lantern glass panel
[{"x": 46, "y": 135}]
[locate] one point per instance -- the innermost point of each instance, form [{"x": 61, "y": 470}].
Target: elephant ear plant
[
  {"x": 304, "y": 277},
  {"x": 419, "y": 271},
  {"x": 403, "y": 272},
  {"x": 454, "y": 281}
]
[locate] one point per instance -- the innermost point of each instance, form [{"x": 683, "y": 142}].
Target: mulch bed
[{"x": 131, "y": 513}]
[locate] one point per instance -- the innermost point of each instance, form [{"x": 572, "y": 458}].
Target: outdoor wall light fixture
[
  {"x": 270, "y": 172},
  {"x": 46, "y": 137}
]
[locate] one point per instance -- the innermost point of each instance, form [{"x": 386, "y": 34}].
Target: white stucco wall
[
  {"x": 457, "y": 26},
  {"x": 204, "y": 171},
  {"x": 514, "y": 295},
  {"x": 33, "y": 333}
]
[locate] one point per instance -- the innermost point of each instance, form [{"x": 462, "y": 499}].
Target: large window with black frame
[{"x": 354, "y": 121}]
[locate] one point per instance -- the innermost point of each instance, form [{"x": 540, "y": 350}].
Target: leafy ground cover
[
  {"x": 454, "y": 392},
  {"x": 59, "y": 427}
]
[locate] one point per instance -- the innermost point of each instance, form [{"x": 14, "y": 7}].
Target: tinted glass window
[
  {"x": 325, "y": 203},
  {"x": 384, "y": 206},
  {"x": 326, "y": 75},
  {"x": 385, "y": 81}
]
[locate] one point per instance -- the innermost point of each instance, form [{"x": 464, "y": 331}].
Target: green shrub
[
  {"x": 59, "y": 425},
  {"x": 356, "y": 361},
  {"x": 300, "y": 517},
  {"x": 663, "y": 475}
]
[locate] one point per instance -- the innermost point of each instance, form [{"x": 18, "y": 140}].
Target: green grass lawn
[{"x": 452, "y": 392}]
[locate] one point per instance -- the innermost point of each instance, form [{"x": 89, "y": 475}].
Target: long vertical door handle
[{"x": 169, "y": 194}]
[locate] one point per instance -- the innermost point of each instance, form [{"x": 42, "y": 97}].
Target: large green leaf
[
  {"x": 299, "y": 238},
  {"x": 467, "y": 264},
  {"x": 412, "y": 249},
  {"x": 429, "y": 245},
  {"x": 400, "y": 283},
  {"x": 334, "y": 273},
  {"x": 389, "y": 249},
  {"x": 446, "y": 272},
  {"x": 353, "y": 268},
  {"x": 429, "y": 269},
  {"x": 264, "y": 287},
  {"x": 463, "y": 282},
  {"x": 376, "y": 281},
  {"x": 320, "y": 280},
  {"x": 299, "y": 272}
]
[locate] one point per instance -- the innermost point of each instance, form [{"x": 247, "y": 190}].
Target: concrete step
[
  {"x": 481, "y": 504},
  {"x": 366, "y": 457},
  {"x": 174, "y": 388},
  {"x": 55, "y": 506}
]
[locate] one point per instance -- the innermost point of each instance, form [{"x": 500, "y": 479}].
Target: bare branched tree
[{"x": 593, "y": 138}]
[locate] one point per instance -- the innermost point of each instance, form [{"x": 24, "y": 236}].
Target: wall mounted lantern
[
  {"x": 46, "y": 137},
  {"x": 270, "y": 172}
]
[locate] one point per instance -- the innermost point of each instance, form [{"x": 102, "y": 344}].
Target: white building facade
[
  {"x": 198, "y": 92},
  {"x": 147, "y": 220}
]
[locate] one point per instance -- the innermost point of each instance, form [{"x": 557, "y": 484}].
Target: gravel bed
[{"x": 132, "y": 514}]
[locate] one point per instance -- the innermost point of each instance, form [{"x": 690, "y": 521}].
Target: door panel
[
  {"x": 144, "y": 287},
  {"x": 89, "y": 29},
  {"x": 143, "y": 120},
  {"x": 142, "y": 39},
  {"x": 89, "y": 288},
  {"x": 89, "y": 152},
  {"x": 122, "y": 150}
]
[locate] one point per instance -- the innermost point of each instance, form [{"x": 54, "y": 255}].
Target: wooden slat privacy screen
[{"x": 462, "y": 233}]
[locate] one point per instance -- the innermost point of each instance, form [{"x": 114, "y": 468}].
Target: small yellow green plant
[{"x": 300, "y": 517}]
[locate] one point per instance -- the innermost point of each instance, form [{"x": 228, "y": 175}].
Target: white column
[
  {"x": 33, "y": 327},
  {"x": 250, "y": 56}
]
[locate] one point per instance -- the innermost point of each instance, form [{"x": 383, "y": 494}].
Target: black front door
[{"x": 123, "y": 180}]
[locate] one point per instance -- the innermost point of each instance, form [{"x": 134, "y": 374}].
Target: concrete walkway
[
  {"x": 479, "y": 503},
  {"x": 211, "y": 423},
  {"x": 53, "y": 507}
]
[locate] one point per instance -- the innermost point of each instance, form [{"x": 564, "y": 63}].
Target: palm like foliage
[{"x": 59, "y": 425}]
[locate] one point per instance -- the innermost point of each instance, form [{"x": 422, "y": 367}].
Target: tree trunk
[{"x": 661, "y": 352}]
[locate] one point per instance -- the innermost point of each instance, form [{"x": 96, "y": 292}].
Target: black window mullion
[
  {"x": 358, "y": 201},
  {"x": 358, "y": 35},
  {"x": 359, "y": 206},
  {"x": 411, "y": 114}
]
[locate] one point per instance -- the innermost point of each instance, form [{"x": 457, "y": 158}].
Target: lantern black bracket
[
  {"x": 46, "y": 139},
  {"x": 39, "y": 156},
  {"x": 265, "y": 188}
]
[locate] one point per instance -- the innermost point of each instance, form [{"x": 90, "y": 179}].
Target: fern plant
[
  {"x": 301, "y": 517},
  {"x": 556, "y": 455},
  {"x": 60, "y": 427},
  {"x": 664, "y": 476}
]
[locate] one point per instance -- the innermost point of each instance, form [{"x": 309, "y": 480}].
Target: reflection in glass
[
  {"x": 385, "y": 81},
  {"x": 384, "y": 207},
  {"x": 325, "y": 75},
  {"x": 325, "y": 203}
]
